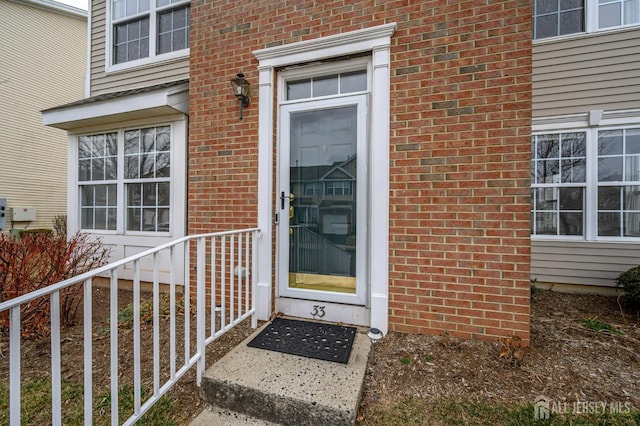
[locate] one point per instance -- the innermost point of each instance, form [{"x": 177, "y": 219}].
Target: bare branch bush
[{"x": 38, "y": 260}]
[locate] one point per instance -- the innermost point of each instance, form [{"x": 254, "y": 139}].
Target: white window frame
[
  {"x": 556, "y": 15},
  {"x": 555, "y": 186},
  {"x": 622, "y": 24},
  {"x": 93, "y": 183},
  {"x": 345, "y": 187},
  {"x": 141, "y": 181},
  {"x": 590, "y": 124},
  {"x": 153, "y": 58},
  {"x": 590, "y": 24},
  {"x": 176, "y": 182}
]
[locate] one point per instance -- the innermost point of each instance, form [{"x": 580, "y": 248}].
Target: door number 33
[{"x": 318, "y": 311}]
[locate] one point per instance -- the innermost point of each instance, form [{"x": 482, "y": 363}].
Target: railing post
[
  {"x": 172, "y": 314},
  {"x": 238, "y": 268},
  {"x": 200, "y": 307},
  {"x": 247, "y": 269},
  {"x": 156, "y": 326},
  {"x": 232, "y": 240},
  {"x": 14, "y": 367},
  {"x": 56, "y": 382},
  {"x": 113, "y": 318},
  {"x": 136, "y": 338},
  {"x": 223, "y": 283},
  {"x": 88, "y": 352},
  {"x": 187, "y": 300},
  {"x": 254, "y": 278},
  {"x": 214, "y": 311}
]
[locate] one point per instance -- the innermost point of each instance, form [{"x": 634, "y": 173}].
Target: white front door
[{"x": 321, "y": 207}]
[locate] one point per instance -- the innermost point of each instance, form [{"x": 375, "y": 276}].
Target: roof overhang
[
  {"x": 122, "y": 106},
  {"x": 56, "y": 7}
]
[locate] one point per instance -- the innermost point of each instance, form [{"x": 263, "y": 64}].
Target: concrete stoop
[{"x": 250, "y": 384}]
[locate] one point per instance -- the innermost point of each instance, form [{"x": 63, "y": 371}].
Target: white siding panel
[
  {"x": 103, "y": 82},
  {"x": 42, "y": 64},
  {"x": 587, "y": 72},
  {"x": 585, "y": 263}
]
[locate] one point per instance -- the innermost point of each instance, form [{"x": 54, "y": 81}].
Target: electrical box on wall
[
  {"x": 23, "y": 214},
  {"x": 3, "y": 213}
]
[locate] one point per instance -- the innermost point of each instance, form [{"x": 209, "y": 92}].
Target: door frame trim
[{"x": 376, "y": 40}]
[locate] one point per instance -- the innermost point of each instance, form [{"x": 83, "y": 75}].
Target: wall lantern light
[{"x": 241, "y": 90}]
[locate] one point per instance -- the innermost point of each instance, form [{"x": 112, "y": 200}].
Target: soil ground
[{"x": 567, "y": 361}]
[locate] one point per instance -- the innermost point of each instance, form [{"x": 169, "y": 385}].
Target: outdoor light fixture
[
  {"x": 375, "y": 335},
  {"x": 241, "y": 90}
]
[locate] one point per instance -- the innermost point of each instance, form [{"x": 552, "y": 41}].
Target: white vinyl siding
[
  {"x": 43, "y": 56},
  {"x": 148, "y": 75},
  {"x": 591, "y": 72},
  {"x": 582, "y": 263}
]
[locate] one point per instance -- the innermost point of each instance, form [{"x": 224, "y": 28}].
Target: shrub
[
  {"x": 38, "y": 260},
  {"x": 60, "y": 225},
  {"x": 36, "y": 231},
  {"x": 630, "y": 281}
]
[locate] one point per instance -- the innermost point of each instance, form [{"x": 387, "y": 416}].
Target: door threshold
[{"x": 324, "y": 311}]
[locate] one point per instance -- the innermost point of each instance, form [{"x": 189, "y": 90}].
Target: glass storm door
[{"x": 321, "y": 200}]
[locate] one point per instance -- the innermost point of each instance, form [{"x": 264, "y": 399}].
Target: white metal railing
[{"x": 225, "y": 262}]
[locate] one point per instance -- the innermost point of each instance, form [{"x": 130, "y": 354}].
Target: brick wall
[{"x": 460, "y": 146}]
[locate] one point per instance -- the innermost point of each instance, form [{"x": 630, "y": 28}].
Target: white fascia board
[
  {"x": 582, "y": 120},
  {"x": 545, "y": 124},
  {"x": 160, "y": 101},
  {"x": 56, "y": 7},
  {"x": 179, "y": 100}
]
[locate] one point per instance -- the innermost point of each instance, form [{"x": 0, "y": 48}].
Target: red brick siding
[{"x": 459, "y": 146}]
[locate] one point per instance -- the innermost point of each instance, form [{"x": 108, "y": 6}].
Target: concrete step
[
  {"x": 212, "y": 416},
  {"x": 287, "y": 389}
]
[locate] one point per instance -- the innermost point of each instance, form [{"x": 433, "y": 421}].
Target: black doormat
[{"x": 309, "y": 339}]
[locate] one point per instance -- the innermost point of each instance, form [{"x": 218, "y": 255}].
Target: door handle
[{"x": 283, "y": 197}]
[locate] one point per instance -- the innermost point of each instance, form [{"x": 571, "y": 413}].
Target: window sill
[
  {"x": 155, "y": 61},
  {"x": 127, "y": 234},
  {"x": 572, "y": 238},
  {"x": 585, "y": 35},
  {"x": 600, "y": 240}
]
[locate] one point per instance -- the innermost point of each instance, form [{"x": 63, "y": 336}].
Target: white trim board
[{"x": 154, "y": 103}]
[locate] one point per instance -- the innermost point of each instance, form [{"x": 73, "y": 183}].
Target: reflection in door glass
[{"x": 322, "y": 234}]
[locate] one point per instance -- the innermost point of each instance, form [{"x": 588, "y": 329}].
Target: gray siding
[
  {"x": 150, "y": 75},
  {"x": 585, "y": 263},
  {"x": 589, "y": 72}
]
